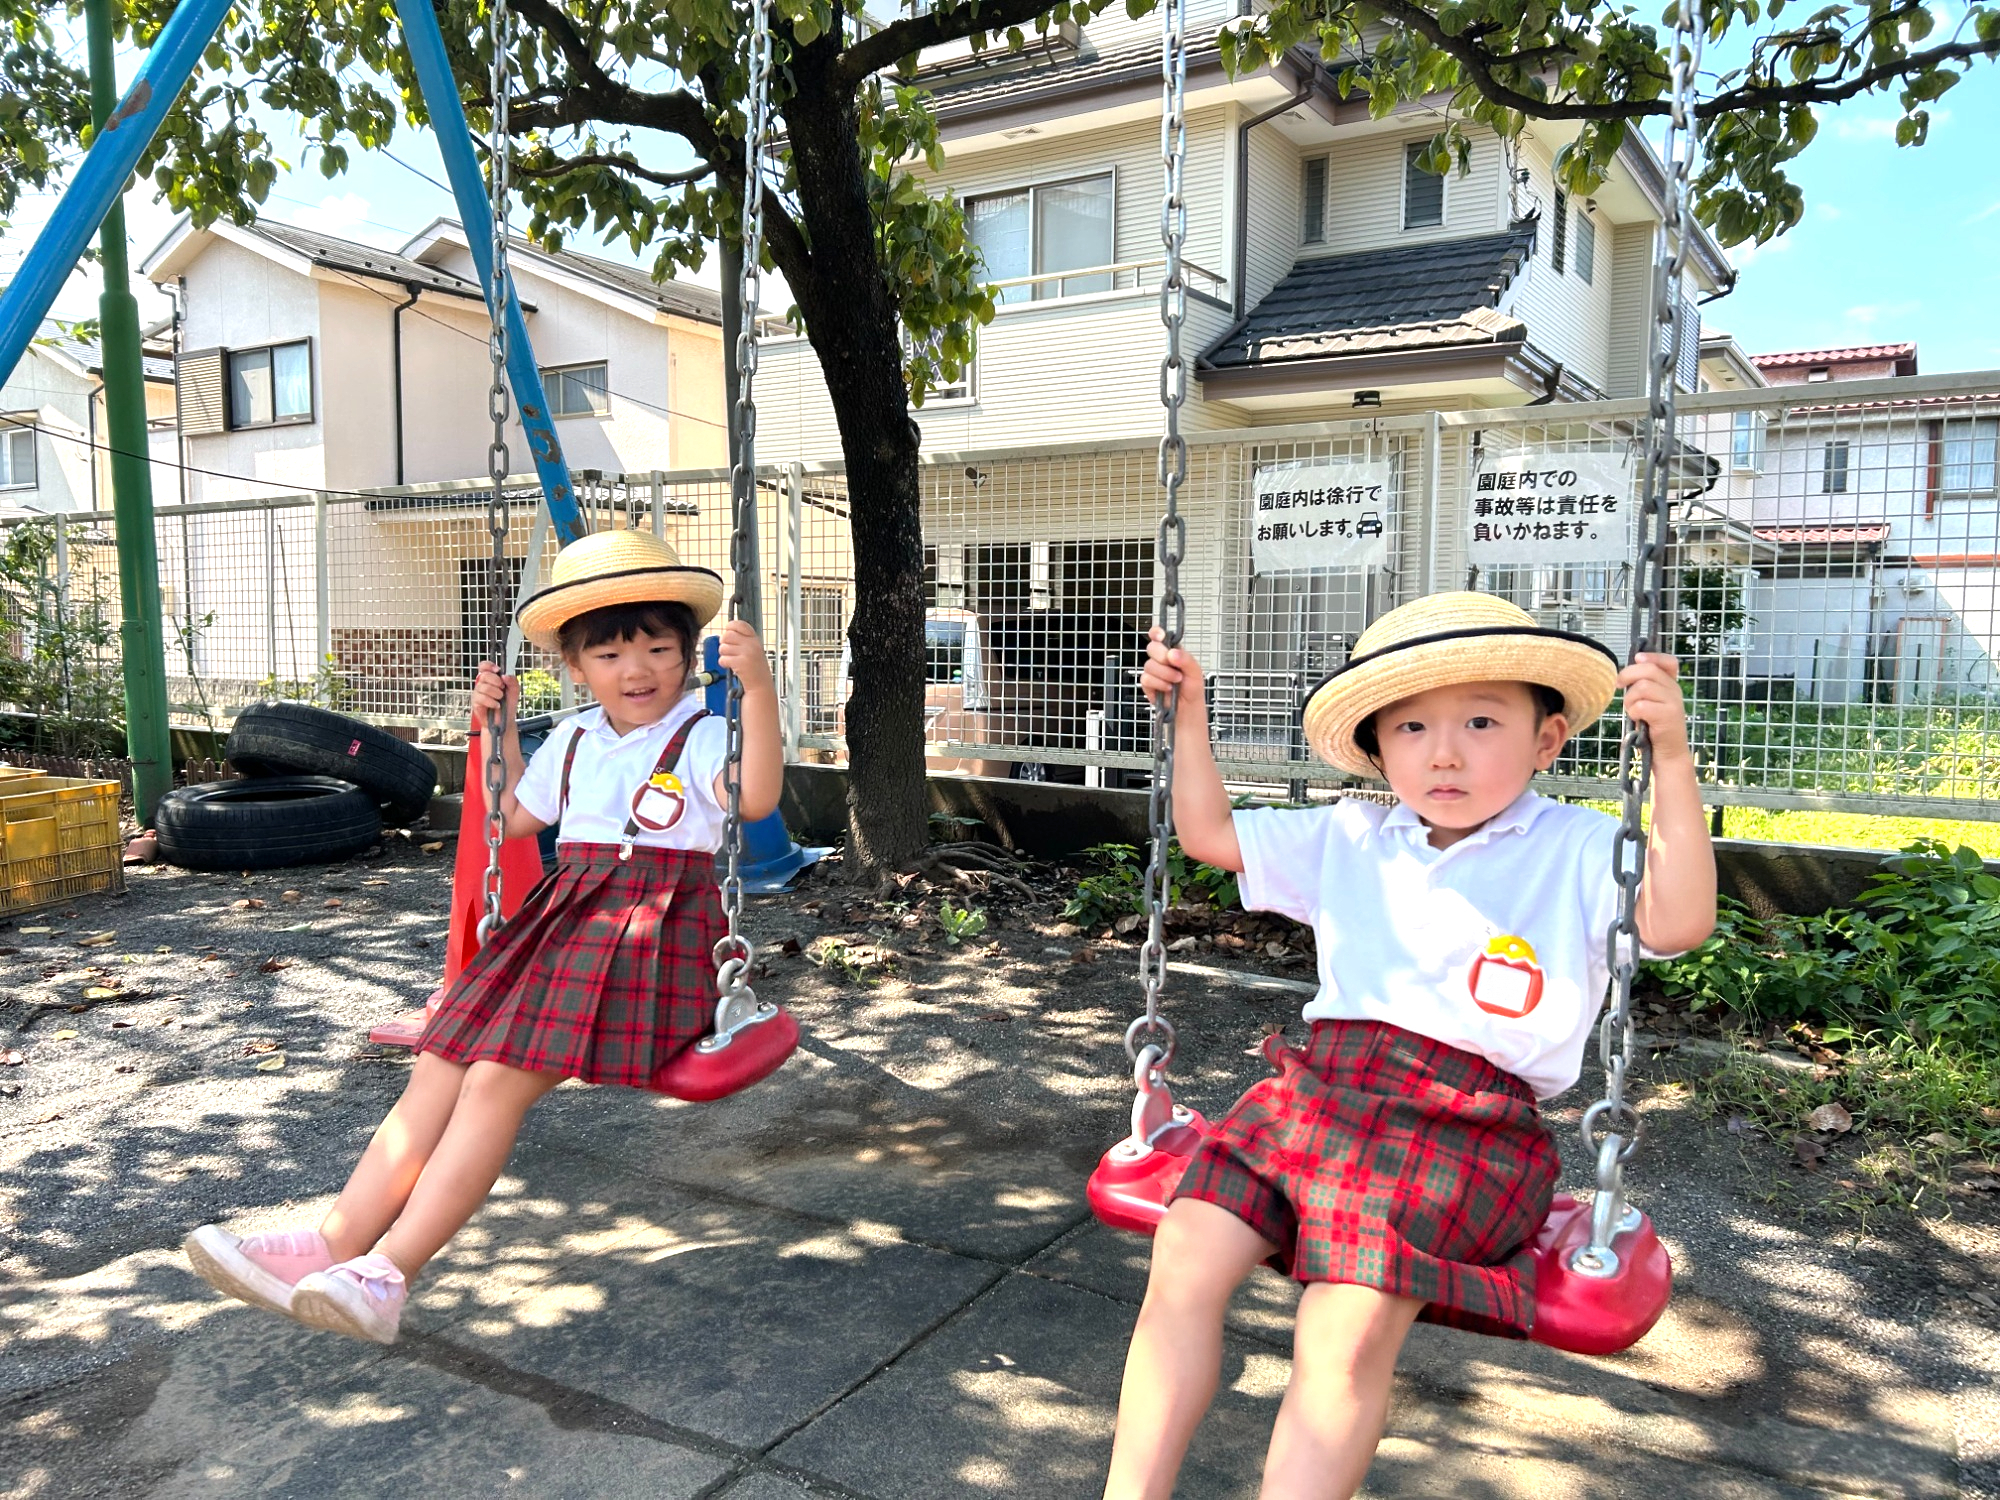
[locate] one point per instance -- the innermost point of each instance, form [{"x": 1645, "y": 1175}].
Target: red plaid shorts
[
  {"x": 1381, "y": 1158},
  {"x": 604, "y": 974}
]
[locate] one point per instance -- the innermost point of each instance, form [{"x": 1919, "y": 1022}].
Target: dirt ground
[{"x": 195, "y": 1050}]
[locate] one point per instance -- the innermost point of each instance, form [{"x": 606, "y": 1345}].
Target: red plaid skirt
[
  {"x": 604, "y": 974},
  {"x": 1381, "y": 1158}
]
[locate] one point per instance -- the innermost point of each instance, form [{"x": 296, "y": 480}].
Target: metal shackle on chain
[
  {"x": 1668, "y": 332},
  {"x": 500, "y": 38}
]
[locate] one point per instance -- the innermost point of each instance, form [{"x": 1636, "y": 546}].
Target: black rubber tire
[
  {"x": 299, "y": 739},
  {"x": 262, "y": 822}
]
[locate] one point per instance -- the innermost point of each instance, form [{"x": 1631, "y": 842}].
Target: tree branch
[
  {"x": 897, "y": 40},
  {"x": 623, "y": 164},
  {"x": 1479, "y": 64}
]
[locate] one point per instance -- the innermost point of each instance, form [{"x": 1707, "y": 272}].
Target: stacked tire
[{"x": 317, "y": 787}]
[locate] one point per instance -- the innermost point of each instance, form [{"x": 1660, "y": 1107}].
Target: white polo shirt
[
  {"x": 609, "y": 771},
  {"x": 1495, "y": 945}
]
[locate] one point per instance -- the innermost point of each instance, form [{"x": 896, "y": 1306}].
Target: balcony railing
[{"x": 1118, "y": 276}]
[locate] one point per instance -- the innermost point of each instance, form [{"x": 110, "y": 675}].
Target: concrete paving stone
[
  {"x": 733, "y": 1322},
  {"x": 1017, "y": 1397},
  {"x": 369, "y": 1425},
  {"x": 848, "y": 1141},
  {"x": 775, "y": 1487},
  {"x": 1661, "y": 1396}
]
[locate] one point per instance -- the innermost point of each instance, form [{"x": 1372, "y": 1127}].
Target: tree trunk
[{"x": 853, "y": 324}]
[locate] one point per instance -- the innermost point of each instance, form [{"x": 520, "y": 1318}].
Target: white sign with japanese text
[
  {"x": 1550, "y": 510},
  {"x": 1321, "y": 514}
]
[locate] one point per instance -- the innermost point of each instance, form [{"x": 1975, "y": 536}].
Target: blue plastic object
[{"x": 770, "y": 856}]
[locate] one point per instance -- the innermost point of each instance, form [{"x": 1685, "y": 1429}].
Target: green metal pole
[{"x": 146, "y": 736}]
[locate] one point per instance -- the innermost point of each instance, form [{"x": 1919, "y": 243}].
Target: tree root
[{"x": 948, "y": 864}]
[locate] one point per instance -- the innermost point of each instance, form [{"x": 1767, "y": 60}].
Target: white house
[
  {"x": 54, "y": 432},
  {"x": 312, "y": 365}
]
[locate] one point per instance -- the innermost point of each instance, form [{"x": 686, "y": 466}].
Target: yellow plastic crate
[{"x": 58, "y": 840}]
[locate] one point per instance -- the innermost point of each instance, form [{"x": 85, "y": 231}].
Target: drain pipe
[
  {"x": 1237, "y": 298},
  {"x": 396, "y": 372}
]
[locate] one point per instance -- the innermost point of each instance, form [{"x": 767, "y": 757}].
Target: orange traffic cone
[{"x": 520, "y": 869}]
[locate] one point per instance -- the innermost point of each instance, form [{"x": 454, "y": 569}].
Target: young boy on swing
[{"x": 1398, "y": 1166}]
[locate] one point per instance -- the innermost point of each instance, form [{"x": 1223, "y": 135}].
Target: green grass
[{"x": 1849, "y": 830}]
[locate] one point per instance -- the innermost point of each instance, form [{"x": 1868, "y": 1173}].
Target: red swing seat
[{"x": 1574, "y": 1311}]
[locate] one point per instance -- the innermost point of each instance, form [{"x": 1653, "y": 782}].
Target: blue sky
[{"x": 1896, "y": 244}]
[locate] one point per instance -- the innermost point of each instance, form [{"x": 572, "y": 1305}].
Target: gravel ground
[{"x": 198, "y": 1045}]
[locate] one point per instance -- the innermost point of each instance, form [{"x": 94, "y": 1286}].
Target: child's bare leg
[
  {"x": 492, "y": 1101},
  {"x": 381, "y": 1181},
  {"x": 1344, "y": 1350},
  {"x": 1200, "y": 1256}
]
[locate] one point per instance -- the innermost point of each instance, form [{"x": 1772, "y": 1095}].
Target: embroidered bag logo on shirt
[{"x": 1506, "y": 980}]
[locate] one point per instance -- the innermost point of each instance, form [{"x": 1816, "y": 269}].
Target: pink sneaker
[
  {"x": 260, "y": 1269},
  {"x": 362, "y": 1298}
]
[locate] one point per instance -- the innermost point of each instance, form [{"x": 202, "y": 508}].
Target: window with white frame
[
  {"x": 1834, "y": 460},
  {"x": 1746, "y": 442},
  {"x": 271, "y": 386},
  {"x": 960, "y": 389},
  {"x": 1423, "y": 190},
  {"x": 1969, "y": 456},
  {"x": 1312, "y": 201},
  {"x": 578, "y": 390},
  {"x": 1559, "y": 239},
  {"x": 1584, "y": 248},
  {"x": 17, "y": 458},
  {"x": 1043, "y": 230}
]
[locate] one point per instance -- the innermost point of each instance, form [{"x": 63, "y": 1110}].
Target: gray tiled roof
[
  {"x": 90, "y": 355},
  {"x": 1016, "y": 79},
  {"x": 668, "y": 296},
  {"x": 1434, "y": 295},
  {"x": 364, "y": 260}
]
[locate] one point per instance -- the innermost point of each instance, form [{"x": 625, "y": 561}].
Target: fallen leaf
[
  {"x": 36, "y": 929},
  {"x": 120, "y": 1025},
  {"x": 101, "y": 992},
  {"x": 249, "y": 903},
  {"x": 1130, "y": 922},
  {"x": 1831, "y": 1117},
  {"x": 1943, "y": 1141},
  {"x": 437, "y": 848},
  {"x": 292, "y": 896},
  {"x": 374, "y": 882},
  {"x": 8, "y": 952},
  {"x": 97, "y": 940},
  {"x": 1738, "y": 1124},
  {"x": 272, "y": 965},
  {"x": 334, "y": 902},
  {"x": 257, "y": 1044},
  {"x": 9, "y": 1090},
  {"x": 1084, "y": 955},
  {"x": 48, "y": 1119},
  {"x": 271, "y": 1064},
  {"x": 125, "y": 1068},
  {"x": 997, "y": 1015},
  {"x": 11, "y": 1059},
  {"x": 63, "y": 1036},
  {"x": 1808, "y": 1151},
  {"x": 790, "y": 946}
]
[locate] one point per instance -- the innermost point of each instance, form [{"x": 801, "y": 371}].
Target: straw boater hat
[
  {"x": 1443, "y": 640},
  {"x": 616, "y": 567}
]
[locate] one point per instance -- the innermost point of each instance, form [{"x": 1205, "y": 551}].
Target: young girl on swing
[
  {"x": 604, "y": 974},
  {"x": 1397, "y": 1166}
]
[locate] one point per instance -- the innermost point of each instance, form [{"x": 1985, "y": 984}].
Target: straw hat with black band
[
  {"x": 1444, "y": 640},
  {"x": 616, "y": 567}
]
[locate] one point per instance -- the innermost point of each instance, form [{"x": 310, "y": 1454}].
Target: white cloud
[
  {"x": 342, "y": 215},
  {"x": 1985, "y": 213}
]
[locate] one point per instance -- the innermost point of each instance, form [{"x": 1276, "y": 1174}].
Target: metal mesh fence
[{"x": 1836, "y": 587}]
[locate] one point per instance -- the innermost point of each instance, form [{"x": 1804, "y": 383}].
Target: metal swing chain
[
  {"x": 734, "y": 953},
  {"x": 500, "y": 35},
  {"x": 1149, "y": 1040},
  {"x": 1615, "y": 1043}
]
